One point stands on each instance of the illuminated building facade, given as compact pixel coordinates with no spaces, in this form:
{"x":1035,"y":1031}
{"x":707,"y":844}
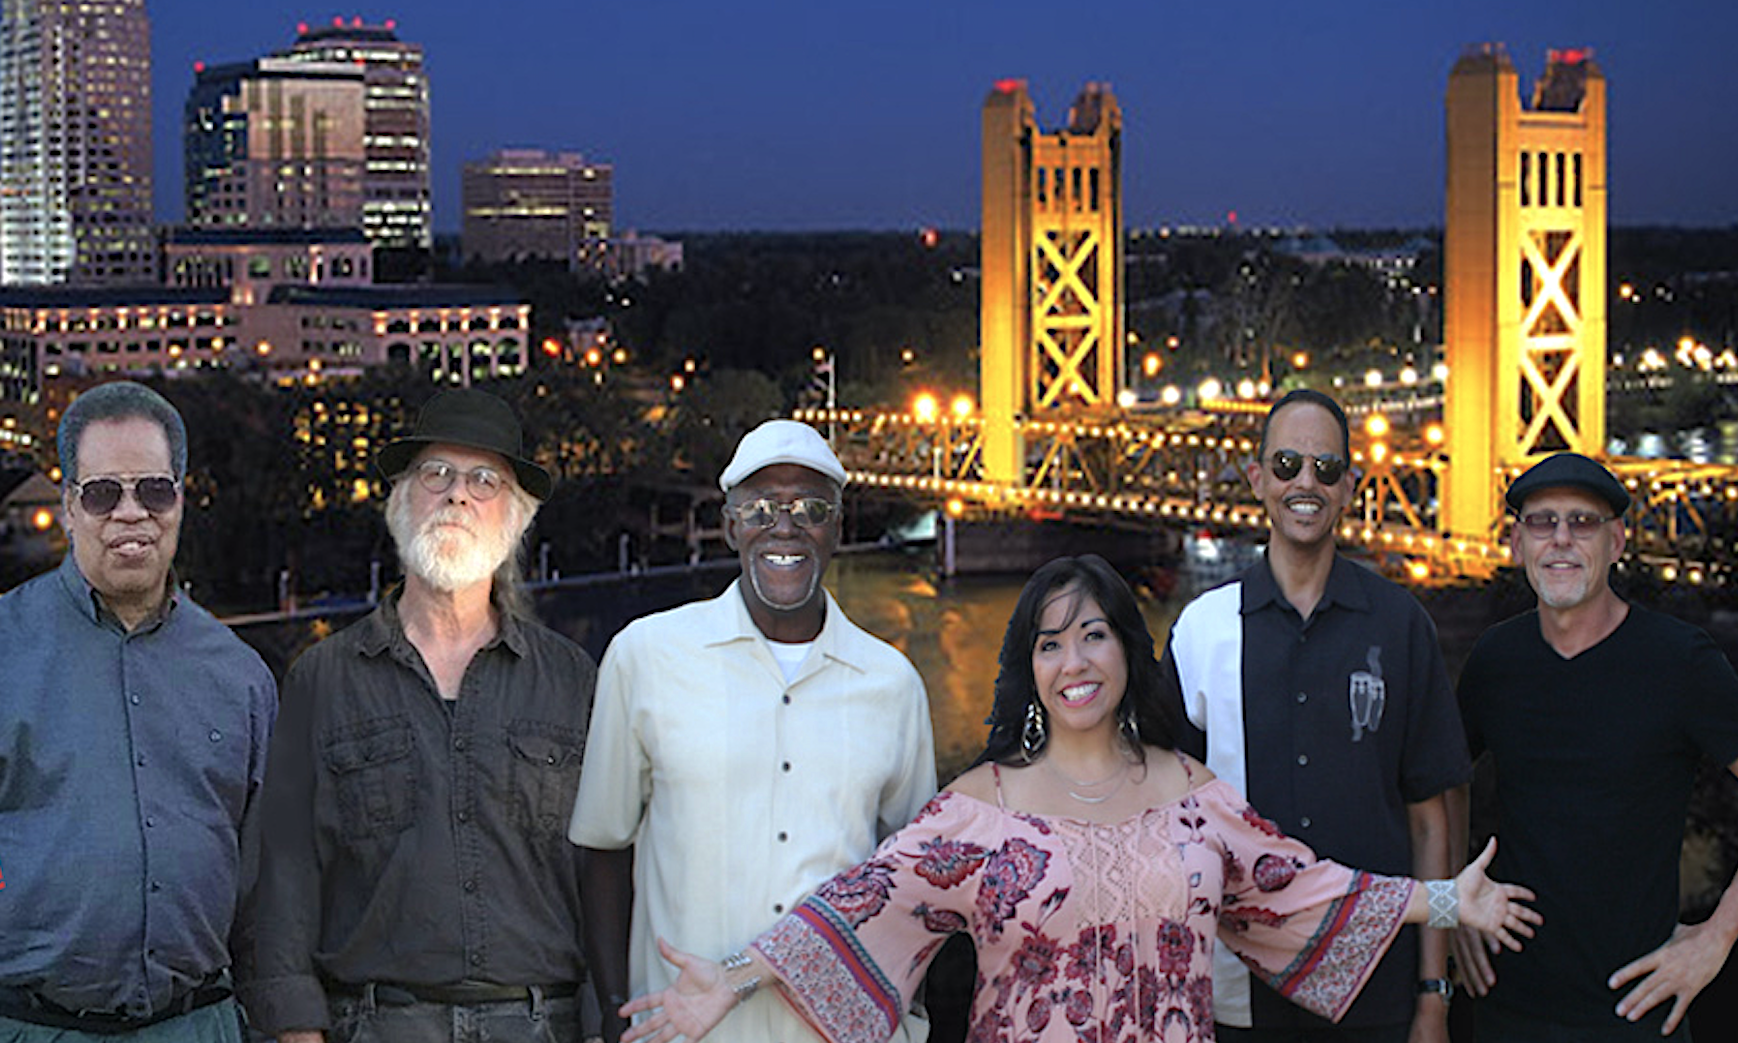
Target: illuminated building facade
{"x":1051,"y":325}
{"x":275,"y":144}
{"x":248,"y":263}
{"x":396,"y":202}
{"x":1524,"y":261}
{"x":522,"y":203}
{"x":456,"y":335}
{"x":75,"y":142}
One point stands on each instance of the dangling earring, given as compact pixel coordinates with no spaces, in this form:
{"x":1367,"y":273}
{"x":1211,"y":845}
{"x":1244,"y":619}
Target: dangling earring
{"x":1130,"y":733}
{"x":1032,"y":736}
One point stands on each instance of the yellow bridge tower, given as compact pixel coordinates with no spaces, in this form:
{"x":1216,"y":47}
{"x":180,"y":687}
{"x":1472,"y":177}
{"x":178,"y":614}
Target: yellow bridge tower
{"x":1524,"y":263}
{"x":1051,"y":327}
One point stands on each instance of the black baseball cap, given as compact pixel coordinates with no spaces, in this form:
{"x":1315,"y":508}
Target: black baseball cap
{"x":1570,"y":470}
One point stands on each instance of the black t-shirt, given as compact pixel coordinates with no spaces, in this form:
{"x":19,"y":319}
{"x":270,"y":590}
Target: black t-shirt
{"x":1595,"y":757}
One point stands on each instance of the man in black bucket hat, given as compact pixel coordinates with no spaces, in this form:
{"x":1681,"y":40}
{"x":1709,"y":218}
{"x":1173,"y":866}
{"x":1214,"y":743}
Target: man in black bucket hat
{"x":1597,"y":714}
{"x":417,"y":882}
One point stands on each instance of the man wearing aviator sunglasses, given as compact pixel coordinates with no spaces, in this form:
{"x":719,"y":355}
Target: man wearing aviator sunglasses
{"x":747,"y":747}
{"x":133,"y":733}
{"x":1597,"y":714}
{"x":1318,"y":688}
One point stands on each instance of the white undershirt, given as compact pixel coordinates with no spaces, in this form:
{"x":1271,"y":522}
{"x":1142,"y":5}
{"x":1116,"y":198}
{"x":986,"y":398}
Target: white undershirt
{"x":790,"y":657}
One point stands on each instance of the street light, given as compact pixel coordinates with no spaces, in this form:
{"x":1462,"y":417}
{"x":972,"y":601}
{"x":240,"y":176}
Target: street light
{"x":925,"y":407}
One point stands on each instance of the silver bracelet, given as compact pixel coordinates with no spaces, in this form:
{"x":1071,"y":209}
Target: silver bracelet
{"x":743,"y":989}
{"x":1444,"y":904}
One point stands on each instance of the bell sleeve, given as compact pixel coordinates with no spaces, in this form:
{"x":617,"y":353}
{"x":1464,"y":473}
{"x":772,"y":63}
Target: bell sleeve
{"x":851,"y":956}
{"x":1312,"y":929}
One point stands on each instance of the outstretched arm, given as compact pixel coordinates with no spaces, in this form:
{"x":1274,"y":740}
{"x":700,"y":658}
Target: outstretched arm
{"x":1489,"y":906}
{"x":1684,"y":965}
{"x":703,"y":993}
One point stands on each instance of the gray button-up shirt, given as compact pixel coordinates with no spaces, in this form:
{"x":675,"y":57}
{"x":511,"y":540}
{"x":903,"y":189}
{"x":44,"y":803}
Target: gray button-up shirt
{"x":128,"y":768}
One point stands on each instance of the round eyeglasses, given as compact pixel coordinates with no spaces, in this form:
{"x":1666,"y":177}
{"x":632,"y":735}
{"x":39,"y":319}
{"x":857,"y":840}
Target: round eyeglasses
{"x":807,"y":512}
{"x":157,"y":493}
{"x":437,"y":476}
{"x":1286,"y":463}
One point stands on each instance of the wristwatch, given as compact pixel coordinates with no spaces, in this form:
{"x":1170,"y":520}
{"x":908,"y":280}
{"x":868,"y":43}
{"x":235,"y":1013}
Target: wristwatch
{"x":1442,"y":986}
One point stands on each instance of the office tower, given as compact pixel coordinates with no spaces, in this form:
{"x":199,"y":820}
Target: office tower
{"x":275,"y":144}
{"x":529,"y":203}
{"x":396,"y":208}
{"x":75,"y":142}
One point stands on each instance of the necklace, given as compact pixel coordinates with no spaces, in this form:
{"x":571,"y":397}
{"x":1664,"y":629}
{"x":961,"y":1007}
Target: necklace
{"x":1119,"y":777}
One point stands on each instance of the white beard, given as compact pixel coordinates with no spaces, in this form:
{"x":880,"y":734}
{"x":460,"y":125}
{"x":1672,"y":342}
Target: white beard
{"x":445,"y":557}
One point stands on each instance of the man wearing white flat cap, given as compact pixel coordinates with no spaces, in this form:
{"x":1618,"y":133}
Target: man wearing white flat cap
{"x":744,"y":749}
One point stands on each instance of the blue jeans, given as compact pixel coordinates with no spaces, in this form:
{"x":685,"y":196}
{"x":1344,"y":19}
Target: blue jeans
{"x":537,"y":1020}
{"x":218,"y":1023}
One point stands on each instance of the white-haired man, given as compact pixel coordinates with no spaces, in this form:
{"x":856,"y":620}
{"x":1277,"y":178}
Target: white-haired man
{"x":416,"y":882}
{"x":745,"y":748}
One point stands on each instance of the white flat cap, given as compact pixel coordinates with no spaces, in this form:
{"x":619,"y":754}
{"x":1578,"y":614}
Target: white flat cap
{"x":781,"y":442}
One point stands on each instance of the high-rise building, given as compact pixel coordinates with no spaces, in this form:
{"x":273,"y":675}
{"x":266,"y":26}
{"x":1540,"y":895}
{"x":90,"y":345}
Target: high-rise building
{"x":396,"y":208}
{"x":275,"y":144}
{"x":523,"y":203}
{"x":75,"y":142}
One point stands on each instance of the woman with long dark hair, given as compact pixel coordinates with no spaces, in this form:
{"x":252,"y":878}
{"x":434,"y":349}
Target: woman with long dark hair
{"x":1093,"y":866}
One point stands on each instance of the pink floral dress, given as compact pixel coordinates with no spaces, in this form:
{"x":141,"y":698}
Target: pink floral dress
{"x":1085,"y":933}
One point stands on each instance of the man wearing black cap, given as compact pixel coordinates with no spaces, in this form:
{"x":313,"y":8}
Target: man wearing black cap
{"x":1597,"y":713}
{"x":416,"y":883}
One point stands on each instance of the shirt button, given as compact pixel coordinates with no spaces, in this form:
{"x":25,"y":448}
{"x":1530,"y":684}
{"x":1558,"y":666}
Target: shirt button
{"x":150,"y":822}
{"x":787,"y":765}
{"x":134,"y":699}
{"x":459,"y":743}
{"x":156,"y":885}
{"x":463,"y":816}
{"x":1303,"y":697}
{"x":1302,"y":759}
{"x":470,"y":886}
{"x":476,"y":959}
{"x":787,"y":700}
{"x":782,"y":837}
{"x":141,"y":760}
{"x":1304,"y":822}
{"x":216,"y":736}
{"x":778,"y":908}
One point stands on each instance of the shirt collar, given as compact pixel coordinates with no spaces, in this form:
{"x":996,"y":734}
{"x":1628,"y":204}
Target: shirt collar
{"x":90,"y":603}
{"x":1261,"y":590}
{"x":383,"y":628}
{"x":731,"y":622}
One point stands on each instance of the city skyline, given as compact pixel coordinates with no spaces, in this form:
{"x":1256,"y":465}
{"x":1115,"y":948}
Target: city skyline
{"x":758,"y":116}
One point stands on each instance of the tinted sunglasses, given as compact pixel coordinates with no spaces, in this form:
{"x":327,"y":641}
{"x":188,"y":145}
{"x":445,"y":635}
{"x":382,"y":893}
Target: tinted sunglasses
{"x":99,"y":497}
{"x":808,"y":512}
{"x":1286,"y":463}
{"x":1542,"y":525}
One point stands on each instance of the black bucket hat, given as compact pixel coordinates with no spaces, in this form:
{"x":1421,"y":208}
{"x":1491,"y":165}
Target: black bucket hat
{"x":474,"y":419}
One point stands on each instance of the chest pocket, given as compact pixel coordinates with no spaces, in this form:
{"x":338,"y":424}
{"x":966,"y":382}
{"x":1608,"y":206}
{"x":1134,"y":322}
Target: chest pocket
{"x":374,"y":775}
{"x":544,"y":775}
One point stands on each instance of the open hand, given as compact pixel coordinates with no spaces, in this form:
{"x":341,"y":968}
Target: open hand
{"x":1677,"y":971}
{"x":1495,"y":908}
{"x":698,"y":1000}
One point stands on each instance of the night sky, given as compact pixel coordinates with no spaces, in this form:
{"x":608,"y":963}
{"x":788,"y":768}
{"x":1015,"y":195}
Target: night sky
{"x":756,"y":114}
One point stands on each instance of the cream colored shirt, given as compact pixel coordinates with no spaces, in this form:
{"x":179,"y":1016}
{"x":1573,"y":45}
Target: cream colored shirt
{"x":739,"y":792}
